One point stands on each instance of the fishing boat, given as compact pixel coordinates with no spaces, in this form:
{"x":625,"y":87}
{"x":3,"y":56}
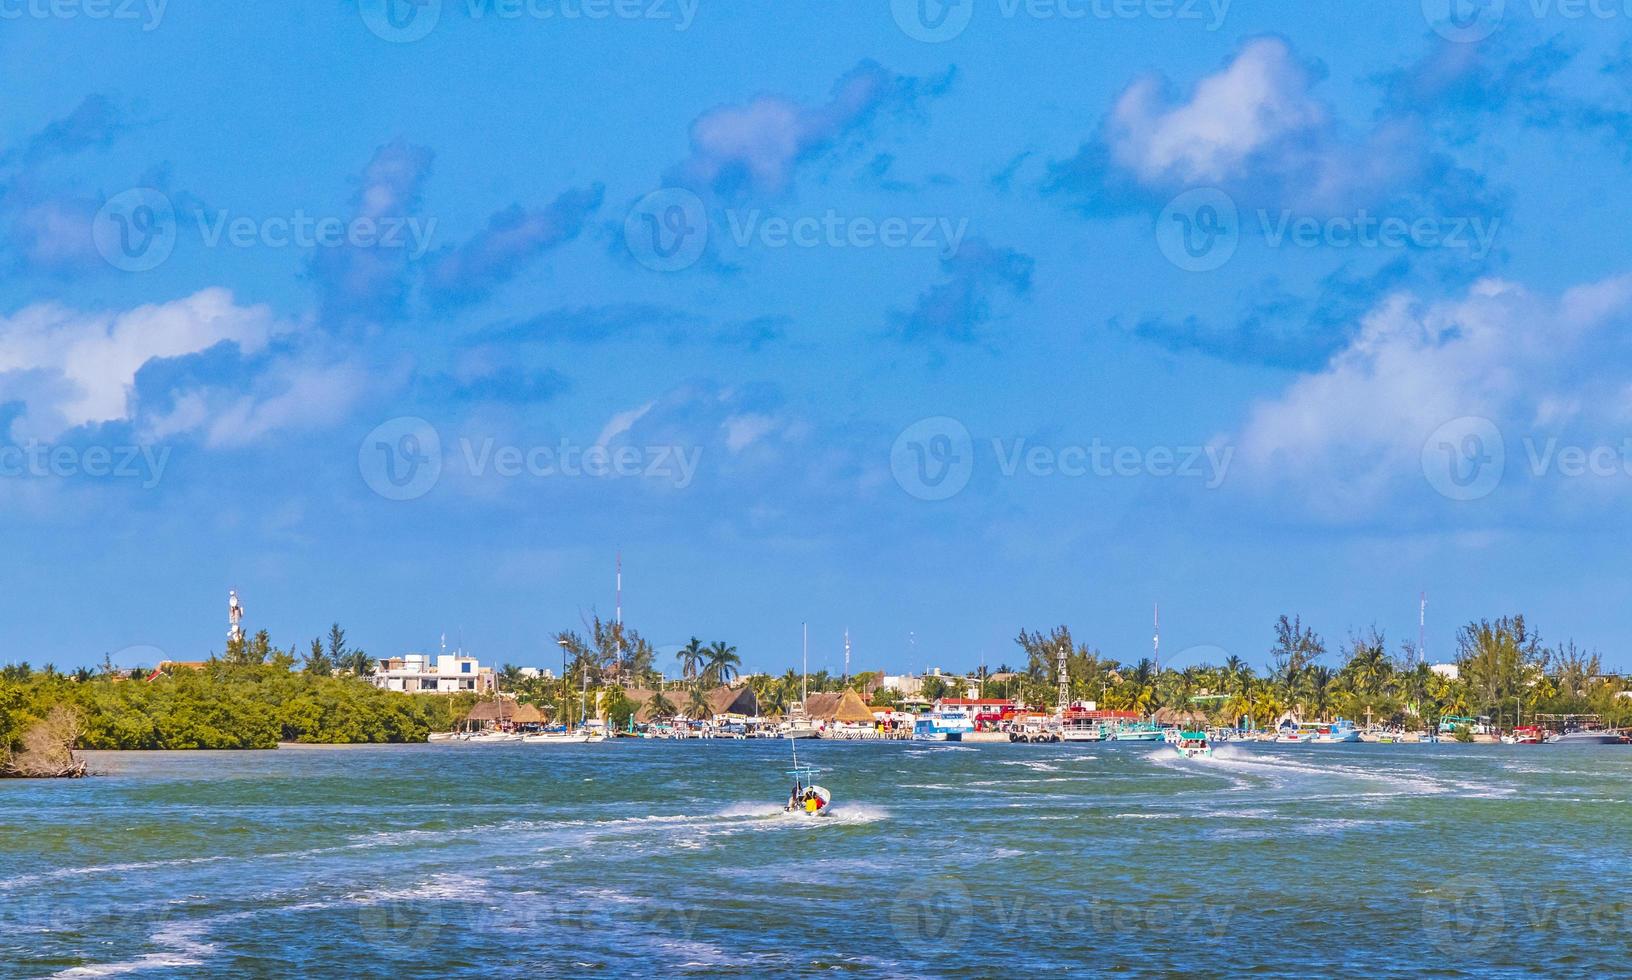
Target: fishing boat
{"x":806,"y":798}
{"x":1338,"y":732}
{"x":1193,"y":745}
{"x":443,"y":737}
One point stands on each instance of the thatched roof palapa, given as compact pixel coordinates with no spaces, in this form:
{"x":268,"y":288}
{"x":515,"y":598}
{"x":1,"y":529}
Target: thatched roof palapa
{"x":851,"y":708}
{"x":500,"y":710}
{"x":528,"y":714}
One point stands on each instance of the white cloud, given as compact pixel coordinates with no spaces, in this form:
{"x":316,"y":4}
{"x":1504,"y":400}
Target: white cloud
{"x":742,"y":431}
{"x":1353,"y":431}
{"x":1255,"y":101}
{"x":621,"y":423}
{"x":71,"y":368}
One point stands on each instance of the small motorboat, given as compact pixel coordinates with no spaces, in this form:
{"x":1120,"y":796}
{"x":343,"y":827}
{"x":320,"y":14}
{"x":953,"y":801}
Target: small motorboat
{"x":1193,"y":745}
{"x":807,"y":798}
{"x":561,"y":737}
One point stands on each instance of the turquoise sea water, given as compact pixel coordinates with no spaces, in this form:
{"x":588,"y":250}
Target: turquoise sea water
{"x":673,"y":858}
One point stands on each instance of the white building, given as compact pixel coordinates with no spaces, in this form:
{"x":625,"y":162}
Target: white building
{"x":1448,"y":671}
{"x":417,"y":673}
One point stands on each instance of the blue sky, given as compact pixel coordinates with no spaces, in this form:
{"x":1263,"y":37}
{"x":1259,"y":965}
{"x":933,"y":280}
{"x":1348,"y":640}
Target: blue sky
{"x":929,"y":321}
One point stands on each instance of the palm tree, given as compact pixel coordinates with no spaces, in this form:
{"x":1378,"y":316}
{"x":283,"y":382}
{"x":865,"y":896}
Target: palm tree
{"x":723,"y":663}
{"x":658,"y":706}
{"x":697,"y":706}
{"x":691,"y":658}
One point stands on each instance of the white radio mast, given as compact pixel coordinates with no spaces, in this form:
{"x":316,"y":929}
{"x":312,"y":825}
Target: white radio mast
{"x":235,"y":617}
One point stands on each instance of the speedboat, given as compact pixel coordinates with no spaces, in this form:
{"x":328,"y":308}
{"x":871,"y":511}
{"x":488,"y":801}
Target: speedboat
{"x":1585,"y":736}
{"x":1192,"y":745}
{"x":806,"y":798}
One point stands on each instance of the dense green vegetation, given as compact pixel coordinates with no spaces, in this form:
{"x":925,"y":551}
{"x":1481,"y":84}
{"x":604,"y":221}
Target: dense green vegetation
{"x":253,"y":697}
{"x":1504,"y":671}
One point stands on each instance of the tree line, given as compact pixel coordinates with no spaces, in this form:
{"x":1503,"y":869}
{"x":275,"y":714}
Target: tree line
{"x":253,"y":696}
{"x":1504,"y":671}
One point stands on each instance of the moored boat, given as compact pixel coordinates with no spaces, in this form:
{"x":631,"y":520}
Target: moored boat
{"x":946,"y":725}
{"x":1338,"y":732}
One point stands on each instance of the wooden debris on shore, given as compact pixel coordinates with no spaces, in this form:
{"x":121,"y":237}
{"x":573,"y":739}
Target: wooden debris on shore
{"x":47,"y":750}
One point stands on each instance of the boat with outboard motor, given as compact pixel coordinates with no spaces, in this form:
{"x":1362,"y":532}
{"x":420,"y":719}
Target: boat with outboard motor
{"x":1193,"y":745}
{"x":806,"y":798}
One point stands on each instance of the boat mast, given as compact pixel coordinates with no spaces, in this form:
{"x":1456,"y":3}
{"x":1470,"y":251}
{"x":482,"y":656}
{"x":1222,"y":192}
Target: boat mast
{"x":618,"y":615}
{"x":804,"y":675}
{"x":1156,"y":640}
{"x":1422,"y":625}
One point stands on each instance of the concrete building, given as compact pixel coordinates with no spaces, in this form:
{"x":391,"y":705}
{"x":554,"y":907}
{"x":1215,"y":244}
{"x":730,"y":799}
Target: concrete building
{"x":418,"y":673}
